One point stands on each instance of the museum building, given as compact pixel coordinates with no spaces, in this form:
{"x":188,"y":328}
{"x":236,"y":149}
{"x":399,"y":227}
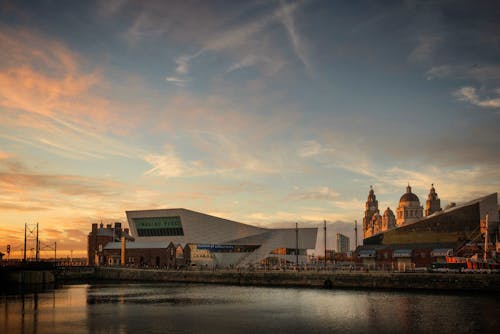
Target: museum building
{"x":198,"y":239}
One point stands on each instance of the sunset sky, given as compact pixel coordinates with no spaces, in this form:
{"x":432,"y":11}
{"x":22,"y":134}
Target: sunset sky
{"x":263,"y":112}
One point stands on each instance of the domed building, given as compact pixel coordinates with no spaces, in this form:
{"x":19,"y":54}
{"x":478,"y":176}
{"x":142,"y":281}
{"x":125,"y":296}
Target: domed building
{"x":409,"y":209}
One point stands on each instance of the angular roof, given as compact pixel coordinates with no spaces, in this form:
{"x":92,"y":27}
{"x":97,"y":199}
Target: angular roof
{"x":200,"y":228}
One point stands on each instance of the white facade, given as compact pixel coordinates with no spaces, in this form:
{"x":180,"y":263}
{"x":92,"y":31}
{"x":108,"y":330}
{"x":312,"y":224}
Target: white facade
{"x":190,"y":227}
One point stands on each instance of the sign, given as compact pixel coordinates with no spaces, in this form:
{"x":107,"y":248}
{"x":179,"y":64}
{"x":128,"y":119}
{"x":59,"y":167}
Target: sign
{"x":158,"y":222}
{"x":215,"y":248}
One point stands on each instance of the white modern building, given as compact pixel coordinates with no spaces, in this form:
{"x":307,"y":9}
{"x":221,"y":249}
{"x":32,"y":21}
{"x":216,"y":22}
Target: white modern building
{"x":343,"y":243}
{"x":218,"y":241}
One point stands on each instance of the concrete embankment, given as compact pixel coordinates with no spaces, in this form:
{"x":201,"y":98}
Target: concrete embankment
{"x":351,"y":280}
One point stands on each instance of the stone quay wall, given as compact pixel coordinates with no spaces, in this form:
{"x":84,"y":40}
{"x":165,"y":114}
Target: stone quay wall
{"x":346,"y":280}
{"x":26,"y":277}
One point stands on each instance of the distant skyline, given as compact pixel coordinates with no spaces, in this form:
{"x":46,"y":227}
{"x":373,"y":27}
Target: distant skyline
{"x":262,"y":112}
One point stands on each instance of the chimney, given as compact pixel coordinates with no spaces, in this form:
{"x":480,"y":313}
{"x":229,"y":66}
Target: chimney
{"x":126,"y":231}
{"x":122,"y":260}
{"x":108,"y":226}
{"x":118,"y":225}
{"x":94,"y":228}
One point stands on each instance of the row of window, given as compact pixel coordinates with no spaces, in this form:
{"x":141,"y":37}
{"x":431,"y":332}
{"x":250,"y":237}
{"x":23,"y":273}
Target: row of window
{"x":289,"y":251}
{"x":422,"y":255}
{"x":168,"y":222}
{"x":410,"y":213}
{"x":160,"y":232}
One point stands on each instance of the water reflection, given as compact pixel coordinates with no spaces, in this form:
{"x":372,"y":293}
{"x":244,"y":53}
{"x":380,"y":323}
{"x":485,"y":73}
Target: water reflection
{"x":180,"y":308}
{"x":51,"y":311}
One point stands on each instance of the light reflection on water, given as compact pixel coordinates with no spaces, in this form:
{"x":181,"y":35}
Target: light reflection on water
{"x":181,"y":308}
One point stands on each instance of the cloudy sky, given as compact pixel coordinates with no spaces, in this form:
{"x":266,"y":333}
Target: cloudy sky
{"x":264,"y":112}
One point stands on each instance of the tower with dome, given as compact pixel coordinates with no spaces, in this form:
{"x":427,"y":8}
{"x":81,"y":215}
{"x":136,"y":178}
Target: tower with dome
{"x":409,"y":209}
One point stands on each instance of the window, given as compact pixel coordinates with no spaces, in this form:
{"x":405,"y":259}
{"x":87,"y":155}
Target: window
{"x":159,"y":226}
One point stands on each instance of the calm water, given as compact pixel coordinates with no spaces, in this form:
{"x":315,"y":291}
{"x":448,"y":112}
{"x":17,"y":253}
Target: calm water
{"x":180,"y":308}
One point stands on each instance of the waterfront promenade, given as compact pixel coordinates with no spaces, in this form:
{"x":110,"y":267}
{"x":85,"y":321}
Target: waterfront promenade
{"x":308,"y":279}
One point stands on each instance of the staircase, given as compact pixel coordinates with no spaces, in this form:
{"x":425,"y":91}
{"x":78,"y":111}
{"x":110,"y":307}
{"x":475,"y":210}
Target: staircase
{"x":472,"y":245}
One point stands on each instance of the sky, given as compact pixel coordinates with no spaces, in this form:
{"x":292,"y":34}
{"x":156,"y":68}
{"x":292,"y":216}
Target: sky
{"x":262,"y":112}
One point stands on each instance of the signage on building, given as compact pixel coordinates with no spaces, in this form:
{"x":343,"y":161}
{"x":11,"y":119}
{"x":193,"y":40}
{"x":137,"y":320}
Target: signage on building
{"x":215,"y":248}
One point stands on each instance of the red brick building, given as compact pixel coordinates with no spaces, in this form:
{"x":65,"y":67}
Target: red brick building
{"x":147,"y":255}
{"x":100,"y":237}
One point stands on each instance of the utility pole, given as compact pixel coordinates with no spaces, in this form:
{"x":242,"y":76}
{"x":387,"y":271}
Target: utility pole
{"x":37,"y":246}
{"x":355,"y":234}
{"x":297,"y":245}
{"x":485,"y":257}
{"x":55,"y":253}
{"x":25,"y":227}
{"x":325,"y":240}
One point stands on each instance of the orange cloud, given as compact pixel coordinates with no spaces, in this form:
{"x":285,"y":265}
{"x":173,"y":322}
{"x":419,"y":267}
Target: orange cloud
{"x":43,"y":76}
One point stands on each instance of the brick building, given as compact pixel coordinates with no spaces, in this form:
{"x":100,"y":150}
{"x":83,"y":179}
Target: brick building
{"x":100,"y":236}
{"x":147,"y":255}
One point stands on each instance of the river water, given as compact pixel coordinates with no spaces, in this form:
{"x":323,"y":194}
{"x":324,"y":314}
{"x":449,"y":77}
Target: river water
{"x":199,"y":308}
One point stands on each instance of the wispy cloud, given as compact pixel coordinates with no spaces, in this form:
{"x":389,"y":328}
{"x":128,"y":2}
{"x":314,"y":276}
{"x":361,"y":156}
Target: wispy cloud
{"x":236,"y":41}
{"x":319,"y":193}
{"x":312,"y":148}
{"x":425,"y":48}
{"x":338,"y":154}
{"x":479,"y":73}
{"x":52,"y":95}
{"x":469,"y":94}
{"x":181,"y":82}
{"x":167,"y":165}
{"x":247,"y":61}
{"x":286,"y":16}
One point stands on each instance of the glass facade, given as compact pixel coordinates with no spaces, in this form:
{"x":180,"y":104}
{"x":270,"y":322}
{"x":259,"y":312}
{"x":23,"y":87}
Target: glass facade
{"x":159,"y":226}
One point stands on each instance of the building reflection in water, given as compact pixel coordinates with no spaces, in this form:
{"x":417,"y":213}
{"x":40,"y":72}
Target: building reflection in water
{"x":220,"y":309}
{"x":39,"y":312}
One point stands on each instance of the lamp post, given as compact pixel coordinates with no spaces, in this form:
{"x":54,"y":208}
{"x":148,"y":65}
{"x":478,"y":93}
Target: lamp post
{"x":325,"y":240}
{"x":297,"y":245}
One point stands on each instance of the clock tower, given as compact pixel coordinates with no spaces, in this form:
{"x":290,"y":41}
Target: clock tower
{"x":371,"y":208}
{"x":433,"y":203}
